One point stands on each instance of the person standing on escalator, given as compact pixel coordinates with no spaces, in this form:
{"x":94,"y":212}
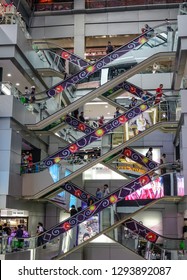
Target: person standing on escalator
{"x":141,"y":123}
{"x":109,"y":48}
{"x":81,"y":117}
{"x":147,"y":28}
{"x":149,"y":153}
{"x":159,"y":93}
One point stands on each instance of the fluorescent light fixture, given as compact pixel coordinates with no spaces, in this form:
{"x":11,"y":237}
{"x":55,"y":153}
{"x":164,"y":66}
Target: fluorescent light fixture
{"x":57,"y":134}
{"x":5,"y":90}
{"x":97,"y":103}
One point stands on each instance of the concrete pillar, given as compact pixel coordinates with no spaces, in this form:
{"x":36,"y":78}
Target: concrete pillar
{"x":183,"y":152}
{"x":79,"y":29}
{"x":1,"y":74}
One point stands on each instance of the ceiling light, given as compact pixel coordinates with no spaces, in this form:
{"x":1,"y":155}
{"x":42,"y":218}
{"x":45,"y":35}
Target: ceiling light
{"x":96,"y":103}
{"x":17,"y":84}
{"x":108,"y":113}
{"x":106,"y":106}
{"x":9,"y":75}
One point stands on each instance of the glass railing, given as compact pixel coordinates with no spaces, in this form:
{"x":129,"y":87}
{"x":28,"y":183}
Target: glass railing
{"x":10,"y":15}
{"x":95,"y":136}
{"x":69,"y":169}
{"x":90,"y":229}
{"x":151,"y":251}
{"x":81,"y":158}
{"x":183,"y":8}
{"x":7,"y":88}
{"x":137,"y":55}
{"x":59,"y":54}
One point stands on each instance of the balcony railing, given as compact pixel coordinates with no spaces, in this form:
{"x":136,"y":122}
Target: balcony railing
{"x":97,"y":4}
{"x":62,"y":6}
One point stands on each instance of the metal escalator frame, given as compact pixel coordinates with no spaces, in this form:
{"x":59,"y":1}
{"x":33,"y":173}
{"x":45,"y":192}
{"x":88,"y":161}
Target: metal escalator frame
{"x":118,"y":223}
{"x":54,"y":188}
{"x":99,"y":91}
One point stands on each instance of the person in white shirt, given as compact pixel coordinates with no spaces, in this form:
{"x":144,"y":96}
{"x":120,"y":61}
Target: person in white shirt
{"x":141,"y":123}
{"x":106,"y":190}
{"x":163,"y":161}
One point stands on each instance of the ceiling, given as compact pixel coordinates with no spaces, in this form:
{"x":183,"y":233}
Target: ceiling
{"x":16,"y":77}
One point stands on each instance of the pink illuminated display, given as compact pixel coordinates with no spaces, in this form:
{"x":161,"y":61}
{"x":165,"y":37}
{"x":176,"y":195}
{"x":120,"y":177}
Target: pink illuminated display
{"x":180,"y":185}
{"x":153,"y":190}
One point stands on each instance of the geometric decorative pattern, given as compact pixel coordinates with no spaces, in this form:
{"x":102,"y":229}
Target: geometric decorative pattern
{"x":90,"y":69}
{"x":139,"y":158}
{"x":77,"y":191}
{"x":131,"y":88}
{"x":74,"y":59}
{"x":97,"y":207}
{"x":141,"y":230}
{"x":98,"y":132}
{"x":125,"y":85}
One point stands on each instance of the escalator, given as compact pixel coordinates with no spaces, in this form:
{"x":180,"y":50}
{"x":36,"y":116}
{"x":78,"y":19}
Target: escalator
{"x":91,"y":95}
{"x":54,"y":247}
{"x":114,"y":197}
{"x":135,"y":227}
{"x":99,"y":206}
{"x":99,"y":132}
{"x":103,"y":204}
{"x":37,"y":185}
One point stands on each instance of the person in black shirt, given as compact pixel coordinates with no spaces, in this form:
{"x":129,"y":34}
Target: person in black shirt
{"x":19,"y":235}
{"x":109,"y":48}
{"x":149,"y":153}
{"x":7,"y":229}
{"x":81,"y":117}
{"x":73,"y":210}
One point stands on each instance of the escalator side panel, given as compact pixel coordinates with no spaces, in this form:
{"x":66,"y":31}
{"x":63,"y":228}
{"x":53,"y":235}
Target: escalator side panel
{"x":98,"y":133}
{"x":97,"y":207}
{"x":90,"y":69}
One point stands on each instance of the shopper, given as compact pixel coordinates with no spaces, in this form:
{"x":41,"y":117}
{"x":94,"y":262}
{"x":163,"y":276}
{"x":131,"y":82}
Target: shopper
{"x":90,"y":201}
{"x":117,"y":113}
{"x":40,"y":231}
{"x":81,"y":117}
{"x":141,"y":123}
{"x":32,"y":94}
{"x":106,"y":190}
{"x":101,"y":121}
{"x":149,"y":153}
{"x":73,"y":210}
{"x":159,"y":93}
{"x":133,"y":103}
{"x":163,"y":161}
{"x":19,"y":235}
{"x":109,"y":48}
{"x":98,"y":193}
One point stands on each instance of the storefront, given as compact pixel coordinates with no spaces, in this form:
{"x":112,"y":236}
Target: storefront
{"x":14,"y":217}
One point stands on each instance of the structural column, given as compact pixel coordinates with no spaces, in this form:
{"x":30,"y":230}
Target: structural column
{"x":183,"y":142}
{"x":79,"y":29}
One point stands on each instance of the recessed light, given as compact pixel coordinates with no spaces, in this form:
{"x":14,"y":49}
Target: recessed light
{"x":108,"y":113}
{"x":106,"y":106}
{"x":9,"y":75}
{"x":17,"y":84}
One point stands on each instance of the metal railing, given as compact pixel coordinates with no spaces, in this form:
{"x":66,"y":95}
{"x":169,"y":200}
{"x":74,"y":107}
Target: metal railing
{"x":97,"y":4}
{"x":62,"y":6}
{"x":183,"y":9}
{"x":10,"y":15}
